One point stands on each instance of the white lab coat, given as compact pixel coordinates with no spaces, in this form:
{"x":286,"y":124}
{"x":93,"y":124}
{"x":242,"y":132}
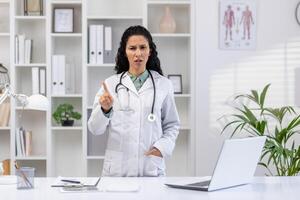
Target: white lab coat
{"x":130,"y":132}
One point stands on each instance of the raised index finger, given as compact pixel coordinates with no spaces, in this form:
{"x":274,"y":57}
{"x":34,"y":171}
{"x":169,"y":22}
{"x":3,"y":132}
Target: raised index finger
{"x":105,"y":87}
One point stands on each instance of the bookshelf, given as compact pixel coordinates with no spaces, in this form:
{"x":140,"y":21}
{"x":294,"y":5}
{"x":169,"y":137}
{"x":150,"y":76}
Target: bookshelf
{"x":74,"y":151}
{"x":5,"y":52}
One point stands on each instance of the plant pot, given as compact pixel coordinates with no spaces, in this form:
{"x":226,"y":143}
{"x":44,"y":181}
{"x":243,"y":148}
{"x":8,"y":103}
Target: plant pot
{"x":67,"y":123}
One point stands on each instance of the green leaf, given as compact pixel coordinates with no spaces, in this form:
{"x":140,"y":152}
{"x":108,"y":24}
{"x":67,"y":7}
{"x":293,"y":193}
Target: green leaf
{"x":263,"y":95}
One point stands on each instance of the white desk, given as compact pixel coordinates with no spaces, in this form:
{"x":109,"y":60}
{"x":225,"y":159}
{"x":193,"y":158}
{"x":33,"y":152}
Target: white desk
{"x":262,"y":188}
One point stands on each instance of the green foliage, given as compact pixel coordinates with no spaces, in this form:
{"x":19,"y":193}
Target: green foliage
{"x":278,"y":124}
{"x":65,"y":112}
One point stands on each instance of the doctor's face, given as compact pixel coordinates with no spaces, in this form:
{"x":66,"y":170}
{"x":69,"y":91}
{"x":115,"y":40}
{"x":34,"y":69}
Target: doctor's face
{"x":137,"y":52}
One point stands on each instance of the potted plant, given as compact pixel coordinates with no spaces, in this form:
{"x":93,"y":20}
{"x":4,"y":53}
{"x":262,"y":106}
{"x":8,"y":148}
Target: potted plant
{"x":281,"y":154}
{"x":65,"y":115}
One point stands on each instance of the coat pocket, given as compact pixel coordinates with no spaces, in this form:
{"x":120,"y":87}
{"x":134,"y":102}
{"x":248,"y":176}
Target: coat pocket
{"x":154,"y":166}
{"x":112,"y":163}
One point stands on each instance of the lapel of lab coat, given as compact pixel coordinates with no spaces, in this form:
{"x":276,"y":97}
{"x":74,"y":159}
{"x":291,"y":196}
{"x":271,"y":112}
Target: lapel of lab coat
{"x":129,"y":84}
{"x":148,"y":83}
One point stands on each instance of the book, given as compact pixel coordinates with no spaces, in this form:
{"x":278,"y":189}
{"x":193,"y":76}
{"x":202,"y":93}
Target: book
{"x":35,"y":80}
{"x":5,"y":113}
{"x":28,"y":144}
{"x":42,"y":81}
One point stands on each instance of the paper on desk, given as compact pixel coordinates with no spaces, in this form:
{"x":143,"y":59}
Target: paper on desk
{"x":8,"y":180}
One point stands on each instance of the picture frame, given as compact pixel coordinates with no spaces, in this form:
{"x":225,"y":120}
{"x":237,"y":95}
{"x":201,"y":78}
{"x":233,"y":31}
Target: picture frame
{"x":237,"y":25}
{"x":176,"y":80}
{"x":63,"y":20}
{"x":33,"y":7}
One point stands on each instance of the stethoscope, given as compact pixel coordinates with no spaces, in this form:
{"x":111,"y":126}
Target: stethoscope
{"x":151,"y":116}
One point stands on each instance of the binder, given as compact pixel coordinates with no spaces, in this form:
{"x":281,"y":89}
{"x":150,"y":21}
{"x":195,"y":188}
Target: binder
{"x":108,"y":56}
{"x":55,"y":88}
{"x":99,"y":41}
{"x":34,"y":78}
{"x":28,"y":45}
{"x":21,"y":49}
{"x":61,"y":74}
{"x":42,"y":81}
{"x":92,"y":44}
{"x":17,"y":49}
{"x":70,"y":78}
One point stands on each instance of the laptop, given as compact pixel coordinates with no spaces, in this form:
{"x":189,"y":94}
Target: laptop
{"x":235,"y":166}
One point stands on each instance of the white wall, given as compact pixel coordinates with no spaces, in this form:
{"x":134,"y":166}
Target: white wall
{"x":221,"y":73}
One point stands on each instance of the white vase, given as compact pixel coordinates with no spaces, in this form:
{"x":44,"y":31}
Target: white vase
{"x":167,"y":23}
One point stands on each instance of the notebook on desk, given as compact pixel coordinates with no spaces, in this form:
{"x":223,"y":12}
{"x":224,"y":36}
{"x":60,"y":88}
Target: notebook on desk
{"x":235,"y":166}
{"x":76,"y":182}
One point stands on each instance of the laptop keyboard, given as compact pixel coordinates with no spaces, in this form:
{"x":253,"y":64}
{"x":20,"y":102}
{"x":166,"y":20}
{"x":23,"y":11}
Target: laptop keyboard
{"x":203,"y":183}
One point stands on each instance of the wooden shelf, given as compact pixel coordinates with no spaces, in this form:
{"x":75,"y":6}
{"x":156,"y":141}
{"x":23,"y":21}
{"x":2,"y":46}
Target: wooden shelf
{"x":66,"y":128}
{"x":182,"y":95}
{"x":173,"y":35}
{"x":67,"y":2}
{"x":66,"y":34}
{"x":108,"y":65}
{"x":30,"y":17}
{"x":95,"y":157}
{"x":114,"y":17}
{"x":169,"y":2}
{"x":31,"y":65}
{"x":67,"y":96}
{"x":31,"y":158}
{"x":5,"y":128}
{"x":4,"y":34}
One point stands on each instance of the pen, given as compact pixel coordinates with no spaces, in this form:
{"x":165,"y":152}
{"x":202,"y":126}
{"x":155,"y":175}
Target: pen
{"x":70,"y":181}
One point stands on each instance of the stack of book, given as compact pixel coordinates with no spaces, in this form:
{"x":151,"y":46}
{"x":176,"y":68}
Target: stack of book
{"x":23,"y":49}
{"x":100,"y":44}
{"x":23,"y":142}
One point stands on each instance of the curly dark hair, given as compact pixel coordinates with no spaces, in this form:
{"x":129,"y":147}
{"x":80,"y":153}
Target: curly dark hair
{"x":122,"y":63}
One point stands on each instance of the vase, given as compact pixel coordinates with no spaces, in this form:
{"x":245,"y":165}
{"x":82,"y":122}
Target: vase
{"x":167,"y":23}
{"x":67,"y":122}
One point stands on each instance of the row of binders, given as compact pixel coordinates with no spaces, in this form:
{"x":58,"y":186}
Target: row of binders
{"x":100,"y":44}
{"x":23,"y":142}
{"x":63,"y":76}
{"x":38,"y":77}
{"x":23,"y":49}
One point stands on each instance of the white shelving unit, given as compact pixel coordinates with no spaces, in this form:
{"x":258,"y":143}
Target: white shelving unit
{"x":5,"y":54}
{"x":73,"y":151}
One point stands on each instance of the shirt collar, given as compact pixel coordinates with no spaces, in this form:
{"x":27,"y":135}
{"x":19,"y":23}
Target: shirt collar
{"x":142,"y":77}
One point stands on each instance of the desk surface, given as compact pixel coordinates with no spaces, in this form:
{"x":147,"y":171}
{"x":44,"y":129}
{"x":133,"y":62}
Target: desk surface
{"x":262,"y":188}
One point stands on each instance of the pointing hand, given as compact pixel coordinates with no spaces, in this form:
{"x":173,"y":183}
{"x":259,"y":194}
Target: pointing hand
{"x":106,"y":100}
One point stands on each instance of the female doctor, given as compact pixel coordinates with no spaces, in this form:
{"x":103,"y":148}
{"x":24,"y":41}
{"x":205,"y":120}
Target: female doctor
{"x":137,"y":108}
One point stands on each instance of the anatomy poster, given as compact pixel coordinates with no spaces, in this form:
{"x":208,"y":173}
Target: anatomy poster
{"x":237,"y":24}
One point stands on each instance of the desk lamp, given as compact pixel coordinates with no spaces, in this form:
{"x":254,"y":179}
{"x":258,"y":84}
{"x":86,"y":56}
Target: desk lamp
{"x":34,"y":102}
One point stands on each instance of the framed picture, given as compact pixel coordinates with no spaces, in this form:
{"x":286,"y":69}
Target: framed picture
{"x":63,"y":20}
{"x":237,"y":25}
{"x":33,"y":7}
{"x":176,"y":80}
